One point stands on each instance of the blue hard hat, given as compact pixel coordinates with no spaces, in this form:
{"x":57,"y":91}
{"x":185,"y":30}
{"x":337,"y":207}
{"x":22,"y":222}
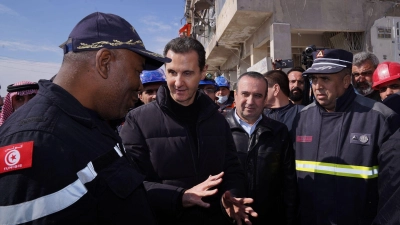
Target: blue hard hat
{"x":207,"y":81}
{"x":152,"y":76}
{"x":222,"y":81}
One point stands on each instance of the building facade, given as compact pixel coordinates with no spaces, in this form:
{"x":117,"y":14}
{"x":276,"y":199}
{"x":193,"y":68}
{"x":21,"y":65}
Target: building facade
{"x":244,"y":35}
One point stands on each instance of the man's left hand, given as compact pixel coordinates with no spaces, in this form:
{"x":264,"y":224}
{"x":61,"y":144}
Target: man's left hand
{"x":237,"y":209}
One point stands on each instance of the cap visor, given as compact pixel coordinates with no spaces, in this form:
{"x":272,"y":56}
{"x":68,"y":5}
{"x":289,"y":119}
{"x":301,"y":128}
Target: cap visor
{"x":153,"y":60}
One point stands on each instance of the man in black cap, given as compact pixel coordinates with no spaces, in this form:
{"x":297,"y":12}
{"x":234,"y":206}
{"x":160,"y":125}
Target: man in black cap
{"x":338,"y":138}
{"x":60,"y":162}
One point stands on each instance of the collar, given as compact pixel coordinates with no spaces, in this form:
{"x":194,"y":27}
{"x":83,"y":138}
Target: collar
{"x":283,"y":108}
{"x":344,"y":101}
{"x":205,"y":104}
{"x":247,"y":127}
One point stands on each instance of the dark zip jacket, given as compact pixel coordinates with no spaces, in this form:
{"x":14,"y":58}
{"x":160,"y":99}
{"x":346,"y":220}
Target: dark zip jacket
{"x":337,"y":159}
{"x":66,"y":138}
{"x":161,"y":145}
{"x":268,"y":159}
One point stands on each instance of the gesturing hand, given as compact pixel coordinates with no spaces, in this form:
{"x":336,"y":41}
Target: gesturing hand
{"x":236,"y":208}
{"x":194,"y":195}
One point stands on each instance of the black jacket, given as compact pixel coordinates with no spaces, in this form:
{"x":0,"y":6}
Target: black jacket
{"x":374,"y":96}
{"x":393,"y":102}
{"x":161,"y":145}
{"x":389,"y":182}
{"x":285,"y":114}
{"x":66,"y":137}
{"x":337,"y":159}
{"x":268,"y":159}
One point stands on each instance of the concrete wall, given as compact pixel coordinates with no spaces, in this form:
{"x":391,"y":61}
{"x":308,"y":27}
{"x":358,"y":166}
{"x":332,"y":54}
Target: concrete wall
{"x":240,"y":39}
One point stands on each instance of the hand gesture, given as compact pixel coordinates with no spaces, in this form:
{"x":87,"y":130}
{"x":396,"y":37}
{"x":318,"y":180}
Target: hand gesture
{"x":194,"y":195}
{"x":236,"y":208}
{"x":273,"y":62}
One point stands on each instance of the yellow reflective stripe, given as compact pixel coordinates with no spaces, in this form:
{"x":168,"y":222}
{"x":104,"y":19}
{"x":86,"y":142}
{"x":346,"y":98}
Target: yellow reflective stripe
{"x":337,"y":169}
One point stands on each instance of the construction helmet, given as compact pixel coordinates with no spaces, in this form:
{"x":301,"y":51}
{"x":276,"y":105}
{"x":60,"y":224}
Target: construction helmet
{"x":152,"y":76}
{"x":222,"y":81}
{"x":386,"y":71}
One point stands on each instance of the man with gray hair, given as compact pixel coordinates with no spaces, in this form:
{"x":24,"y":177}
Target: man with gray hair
{"x":364,"y":65}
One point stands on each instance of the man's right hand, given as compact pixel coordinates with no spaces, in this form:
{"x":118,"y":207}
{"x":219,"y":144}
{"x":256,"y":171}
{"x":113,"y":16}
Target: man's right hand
{"x":194,"y":195}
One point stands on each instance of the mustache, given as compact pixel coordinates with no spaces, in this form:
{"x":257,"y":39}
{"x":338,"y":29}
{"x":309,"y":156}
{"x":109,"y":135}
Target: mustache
{"x":297,"y":89}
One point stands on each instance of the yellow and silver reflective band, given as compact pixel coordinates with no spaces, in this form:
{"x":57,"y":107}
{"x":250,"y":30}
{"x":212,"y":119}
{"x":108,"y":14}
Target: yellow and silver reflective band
{"x":337,"y":169}
{"x":52,"y":203}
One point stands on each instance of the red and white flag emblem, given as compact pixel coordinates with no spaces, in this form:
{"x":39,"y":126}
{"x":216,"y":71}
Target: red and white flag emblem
{"x":16,"y":156}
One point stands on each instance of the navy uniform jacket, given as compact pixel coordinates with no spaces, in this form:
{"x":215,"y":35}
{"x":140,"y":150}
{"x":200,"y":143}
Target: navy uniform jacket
{"x":389,"y":182}
{"x":337,"y":159}
{"x":76,"y":176}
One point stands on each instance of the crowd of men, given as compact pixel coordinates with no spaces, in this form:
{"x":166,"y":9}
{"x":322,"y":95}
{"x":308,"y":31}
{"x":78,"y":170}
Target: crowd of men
{"x":124,"y":135}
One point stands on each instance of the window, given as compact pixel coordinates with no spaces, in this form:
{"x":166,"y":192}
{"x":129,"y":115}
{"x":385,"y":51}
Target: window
{"x":384,"y":32}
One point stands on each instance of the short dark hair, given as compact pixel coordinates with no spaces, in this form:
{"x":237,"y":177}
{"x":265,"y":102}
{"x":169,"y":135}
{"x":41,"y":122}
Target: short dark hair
{"x":278,"y":77}
{"x":297,"y":68}
{"x":185,"y":45}
{"x":254,"y":75}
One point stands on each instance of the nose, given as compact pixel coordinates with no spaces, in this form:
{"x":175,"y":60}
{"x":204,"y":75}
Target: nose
{"x":361,"y":78}
{"x":178,"y":81}
{"x":317,"y":84}
{"x":250,"y":100}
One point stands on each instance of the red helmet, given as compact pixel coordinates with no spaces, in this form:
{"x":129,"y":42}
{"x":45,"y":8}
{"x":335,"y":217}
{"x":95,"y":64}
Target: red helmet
{"x":386,"y":71}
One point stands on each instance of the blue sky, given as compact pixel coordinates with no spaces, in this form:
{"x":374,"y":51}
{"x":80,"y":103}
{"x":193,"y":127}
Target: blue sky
{"x":32,"y":30}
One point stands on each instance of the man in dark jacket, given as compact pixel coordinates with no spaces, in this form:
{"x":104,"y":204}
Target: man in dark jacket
{"x":338,"y":139}
{"x":181,"y":139}
{"x":278,"y":106}
{"x":265,"y":152}
{"x":61,"y":163}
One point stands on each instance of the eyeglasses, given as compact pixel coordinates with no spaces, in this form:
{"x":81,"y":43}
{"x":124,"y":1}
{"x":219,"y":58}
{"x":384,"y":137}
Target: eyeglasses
{"x":392,"y":87}
{"x":364,"y":73}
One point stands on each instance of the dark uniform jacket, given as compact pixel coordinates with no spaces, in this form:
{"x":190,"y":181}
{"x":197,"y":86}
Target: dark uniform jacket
{"x":76,"y":176}
{"x":161,"y":145}
{"x":389,"y":182}
{"x":268,"y":159}
{"x":285,"y":114}
{"x":393,"y":102}
{"x":374,"y":95}
{"x":337,"y":159}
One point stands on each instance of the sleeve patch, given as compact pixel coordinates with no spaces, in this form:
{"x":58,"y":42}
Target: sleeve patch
{"x":16,"y":156}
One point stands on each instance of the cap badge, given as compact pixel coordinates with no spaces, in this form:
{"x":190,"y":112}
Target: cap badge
{"x":320,"y":54}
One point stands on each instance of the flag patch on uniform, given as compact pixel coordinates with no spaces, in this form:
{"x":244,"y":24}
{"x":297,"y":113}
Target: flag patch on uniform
{"x":303,"y":138}
{"x":16,"y":156}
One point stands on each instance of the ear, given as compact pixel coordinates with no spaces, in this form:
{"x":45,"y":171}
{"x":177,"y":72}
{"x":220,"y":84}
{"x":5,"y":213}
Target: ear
{"x":277,"y":89}
{"x":346,"y":80}
{"x":204,"y":72}
{"x":103,"y":61}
